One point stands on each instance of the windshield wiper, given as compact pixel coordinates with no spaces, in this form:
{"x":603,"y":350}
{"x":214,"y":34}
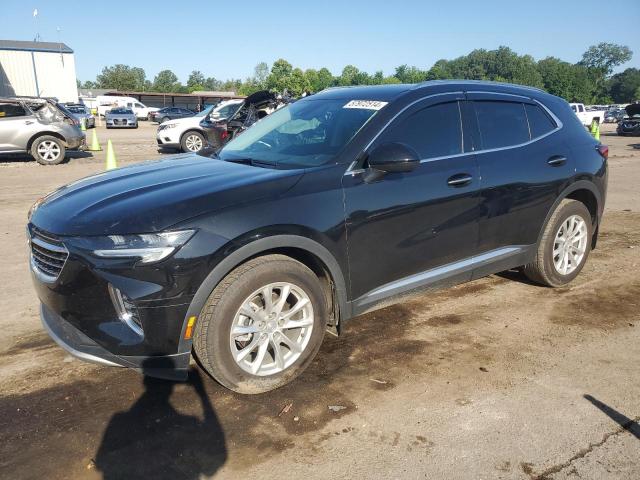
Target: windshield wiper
{"x":252,"y":161}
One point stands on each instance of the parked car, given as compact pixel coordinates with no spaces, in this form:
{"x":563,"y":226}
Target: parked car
{"x":39,"y":127}
{"x":587,"y":116}
{"x":81,"y":113}
{"x":330,"y":207}
{"x":186,"y":134}
{"x":630,"y":126}
{"x":170,"y":113}
{"x":108,"y":102}
{"x":121,"y":117}
{"x":219,"y":131}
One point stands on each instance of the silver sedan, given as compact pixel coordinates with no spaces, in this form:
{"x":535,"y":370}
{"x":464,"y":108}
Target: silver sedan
{"x":121,"y":118}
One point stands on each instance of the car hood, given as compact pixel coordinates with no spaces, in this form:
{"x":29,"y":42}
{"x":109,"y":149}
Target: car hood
{"x":153,"y":196}
{"x":195,"y":121}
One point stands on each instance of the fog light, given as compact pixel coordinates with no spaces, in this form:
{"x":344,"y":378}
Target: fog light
{"x":125,"y":309}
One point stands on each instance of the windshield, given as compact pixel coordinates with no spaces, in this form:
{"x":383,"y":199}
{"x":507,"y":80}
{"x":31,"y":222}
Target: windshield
{"x":204,"y":112}
{"x":307,"y":133}
{"x":122,"y":111}
{"x":75,"y":109}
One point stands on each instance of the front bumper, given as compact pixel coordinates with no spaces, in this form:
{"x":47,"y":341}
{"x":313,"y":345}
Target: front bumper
{"x":80,"y":312}
{"x":121,"y":123}
{"x":173,"y":367}
{"x":168,"y":137}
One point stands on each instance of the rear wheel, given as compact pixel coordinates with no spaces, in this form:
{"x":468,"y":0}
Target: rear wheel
{"x":192,"y":142}
{"x":48,"y":150}
{"x":564,"y":247}
{"x":262,"y":325}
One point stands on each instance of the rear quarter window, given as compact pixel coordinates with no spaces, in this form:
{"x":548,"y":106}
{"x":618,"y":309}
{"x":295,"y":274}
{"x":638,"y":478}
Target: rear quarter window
{"x":501,"y":124}
{"x":539,"y":122}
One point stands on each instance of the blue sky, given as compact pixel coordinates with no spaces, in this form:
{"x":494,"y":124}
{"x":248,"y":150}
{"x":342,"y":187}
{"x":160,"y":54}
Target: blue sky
{"x":227,"y":39}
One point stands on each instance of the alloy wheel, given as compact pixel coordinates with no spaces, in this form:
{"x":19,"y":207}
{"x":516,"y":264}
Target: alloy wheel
{"x":570,"y":245}
{"x":49,"y":150}
{"x":271,"y":329}
{"x":193,"y":143}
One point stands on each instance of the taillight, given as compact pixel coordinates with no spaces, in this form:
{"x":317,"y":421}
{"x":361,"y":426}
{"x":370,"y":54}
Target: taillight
{"x":603,"y":150}
{"x":224,"y":135}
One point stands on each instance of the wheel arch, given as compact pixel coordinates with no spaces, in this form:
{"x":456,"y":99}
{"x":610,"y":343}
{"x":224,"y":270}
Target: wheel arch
{"x":308,"y":252}
{"x":35,"y":136}
{"x":585,"y":192}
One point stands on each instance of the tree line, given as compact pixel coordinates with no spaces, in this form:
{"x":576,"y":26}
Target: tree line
{"x":589,"y":81}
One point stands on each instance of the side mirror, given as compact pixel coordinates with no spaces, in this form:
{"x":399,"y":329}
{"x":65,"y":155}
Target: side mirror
{"x":393,"y":158}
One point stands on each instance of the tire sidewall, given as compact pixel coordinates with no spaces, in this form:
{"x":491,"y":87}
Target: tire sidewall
{"x":217,"y":345}
{"x":573,"y":208}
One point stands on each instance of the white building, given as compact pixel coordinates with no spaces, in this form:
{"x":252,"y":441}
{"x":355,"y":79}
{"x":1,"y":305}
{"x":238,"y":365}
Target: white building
{"x":37,"y":69}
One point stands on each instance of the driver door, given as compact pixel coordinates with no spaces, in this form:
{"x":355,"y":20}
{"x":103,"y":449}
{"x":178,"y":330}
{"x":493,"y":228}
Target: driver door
{"x":406,"y":230}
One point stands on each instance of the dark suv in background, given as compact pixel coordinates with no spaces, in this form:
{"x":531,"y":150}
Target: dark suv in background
{"x":335,"y":205}
{"x":170,"y":113}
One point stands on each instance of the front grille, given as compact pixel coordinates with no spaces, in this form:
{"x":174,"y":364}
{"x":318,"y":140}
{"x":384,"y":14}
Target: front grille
{"x":48,"y":254}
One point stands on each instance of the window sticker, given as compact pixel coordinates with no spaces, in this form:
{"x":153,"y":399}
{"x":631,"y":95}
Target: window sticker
{"x":366,"y":104}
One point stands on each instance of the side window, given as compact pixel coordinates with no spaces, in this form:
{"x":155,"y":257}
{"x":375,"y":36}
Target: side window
{"x":501,"y":124}
{"x":11,"y":110}
{"x":139,"y":105}
{"x":539,"y":121}
{"x":434,"y":131}
{"x":581,"y":108}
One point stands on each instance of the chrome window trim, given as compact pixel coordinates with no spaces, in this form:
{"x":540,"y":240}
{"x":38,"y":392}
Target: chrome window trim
{"x":559,"y":125}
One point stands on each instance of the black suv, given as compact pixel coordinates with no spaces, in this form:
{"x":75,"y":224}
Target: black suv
{"x":335,"y":205}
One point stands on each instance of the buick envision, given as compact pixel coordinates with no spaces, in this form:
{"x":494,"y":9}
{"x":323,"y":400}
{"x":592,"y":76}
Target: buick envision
{"x":333,"y":206}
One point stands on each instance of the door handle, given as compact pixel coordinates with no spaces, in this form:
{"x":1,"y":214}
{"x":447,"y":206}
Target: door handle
{"x":557,"y":160}
{"x":28,"y":122}
{"x":459,"y":180}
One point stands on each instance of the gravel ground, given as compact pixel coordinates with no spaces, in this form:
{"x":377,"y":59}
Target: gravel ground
{"x":496,"y":378}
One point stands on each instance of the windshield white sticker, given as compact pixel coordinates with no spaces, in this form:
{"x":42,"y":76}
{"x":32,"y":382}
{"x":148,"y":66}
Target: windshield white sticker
{"x":366,"y":104}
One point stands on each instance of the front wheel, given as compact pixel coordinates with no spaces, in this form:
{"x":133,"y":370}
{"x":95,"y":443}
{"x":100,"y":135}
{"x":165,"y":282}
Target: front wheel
{"x":164,"y":119}
{"x":262,"y":325}
{"x":564,"y":247}
{"x":48,"y":150}
{"x":192,"y":142}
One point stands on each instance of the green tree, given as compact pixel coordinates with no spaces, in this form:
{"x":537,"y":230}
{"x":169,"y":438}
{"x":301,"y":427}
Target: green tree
{"x":166,"y":81}
{"x":195,"y":81}
{"x":212,"y":84}
{"x":624,"y":86}
{"x":407,"y":74}
{"x":325,"y":80}
{"x":281,"y":71}
{"x":351,"y":75}
{"x":122,"y":77}
{"x":606,"y":56}
{"x":566,"y":80}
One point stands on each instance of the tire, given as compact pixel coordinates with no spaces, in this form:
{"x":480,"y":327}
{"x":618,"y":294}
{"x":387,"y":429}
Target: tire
{"x":212,"y":338}
{"x":192,"y":141}
{"x":164,"y":119}
{"x":48,"y":150}
{"x":544,"y":269}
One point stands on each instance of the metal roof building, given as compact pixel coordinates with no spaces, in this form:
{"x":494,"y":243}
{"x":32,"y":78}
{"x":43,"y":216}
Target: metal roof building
{"x":37,"y":69}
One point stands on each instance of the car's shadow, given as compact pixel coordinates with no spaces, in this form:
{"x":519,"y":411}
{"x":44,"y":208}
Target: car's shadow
{"x":135,"y":441}
{"x":26,"y":158}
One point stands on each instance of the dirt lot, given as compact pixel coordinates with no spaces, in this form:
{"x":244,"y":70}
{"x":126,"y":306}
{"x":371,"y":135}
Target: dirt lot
{"x":497,"y":378}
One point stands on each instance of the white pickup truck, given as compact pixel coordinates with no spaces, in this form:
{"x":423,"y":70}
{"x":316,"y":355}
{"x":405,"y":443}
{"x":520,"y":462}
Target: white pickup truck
{"x":587,"y":116}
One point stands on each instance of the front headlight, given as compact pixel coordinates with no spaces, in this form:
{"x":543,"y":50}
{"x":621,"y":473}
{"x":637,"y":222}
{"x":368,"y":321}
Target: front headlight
{"x":148,"y":247}
{"x":171,"y":125}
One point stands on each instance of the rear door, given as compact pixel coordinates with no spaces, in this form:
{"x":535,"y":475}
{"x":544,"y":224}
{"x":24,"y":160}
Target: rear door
{"x":524,"y":164}
{"x":406,"y":224}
